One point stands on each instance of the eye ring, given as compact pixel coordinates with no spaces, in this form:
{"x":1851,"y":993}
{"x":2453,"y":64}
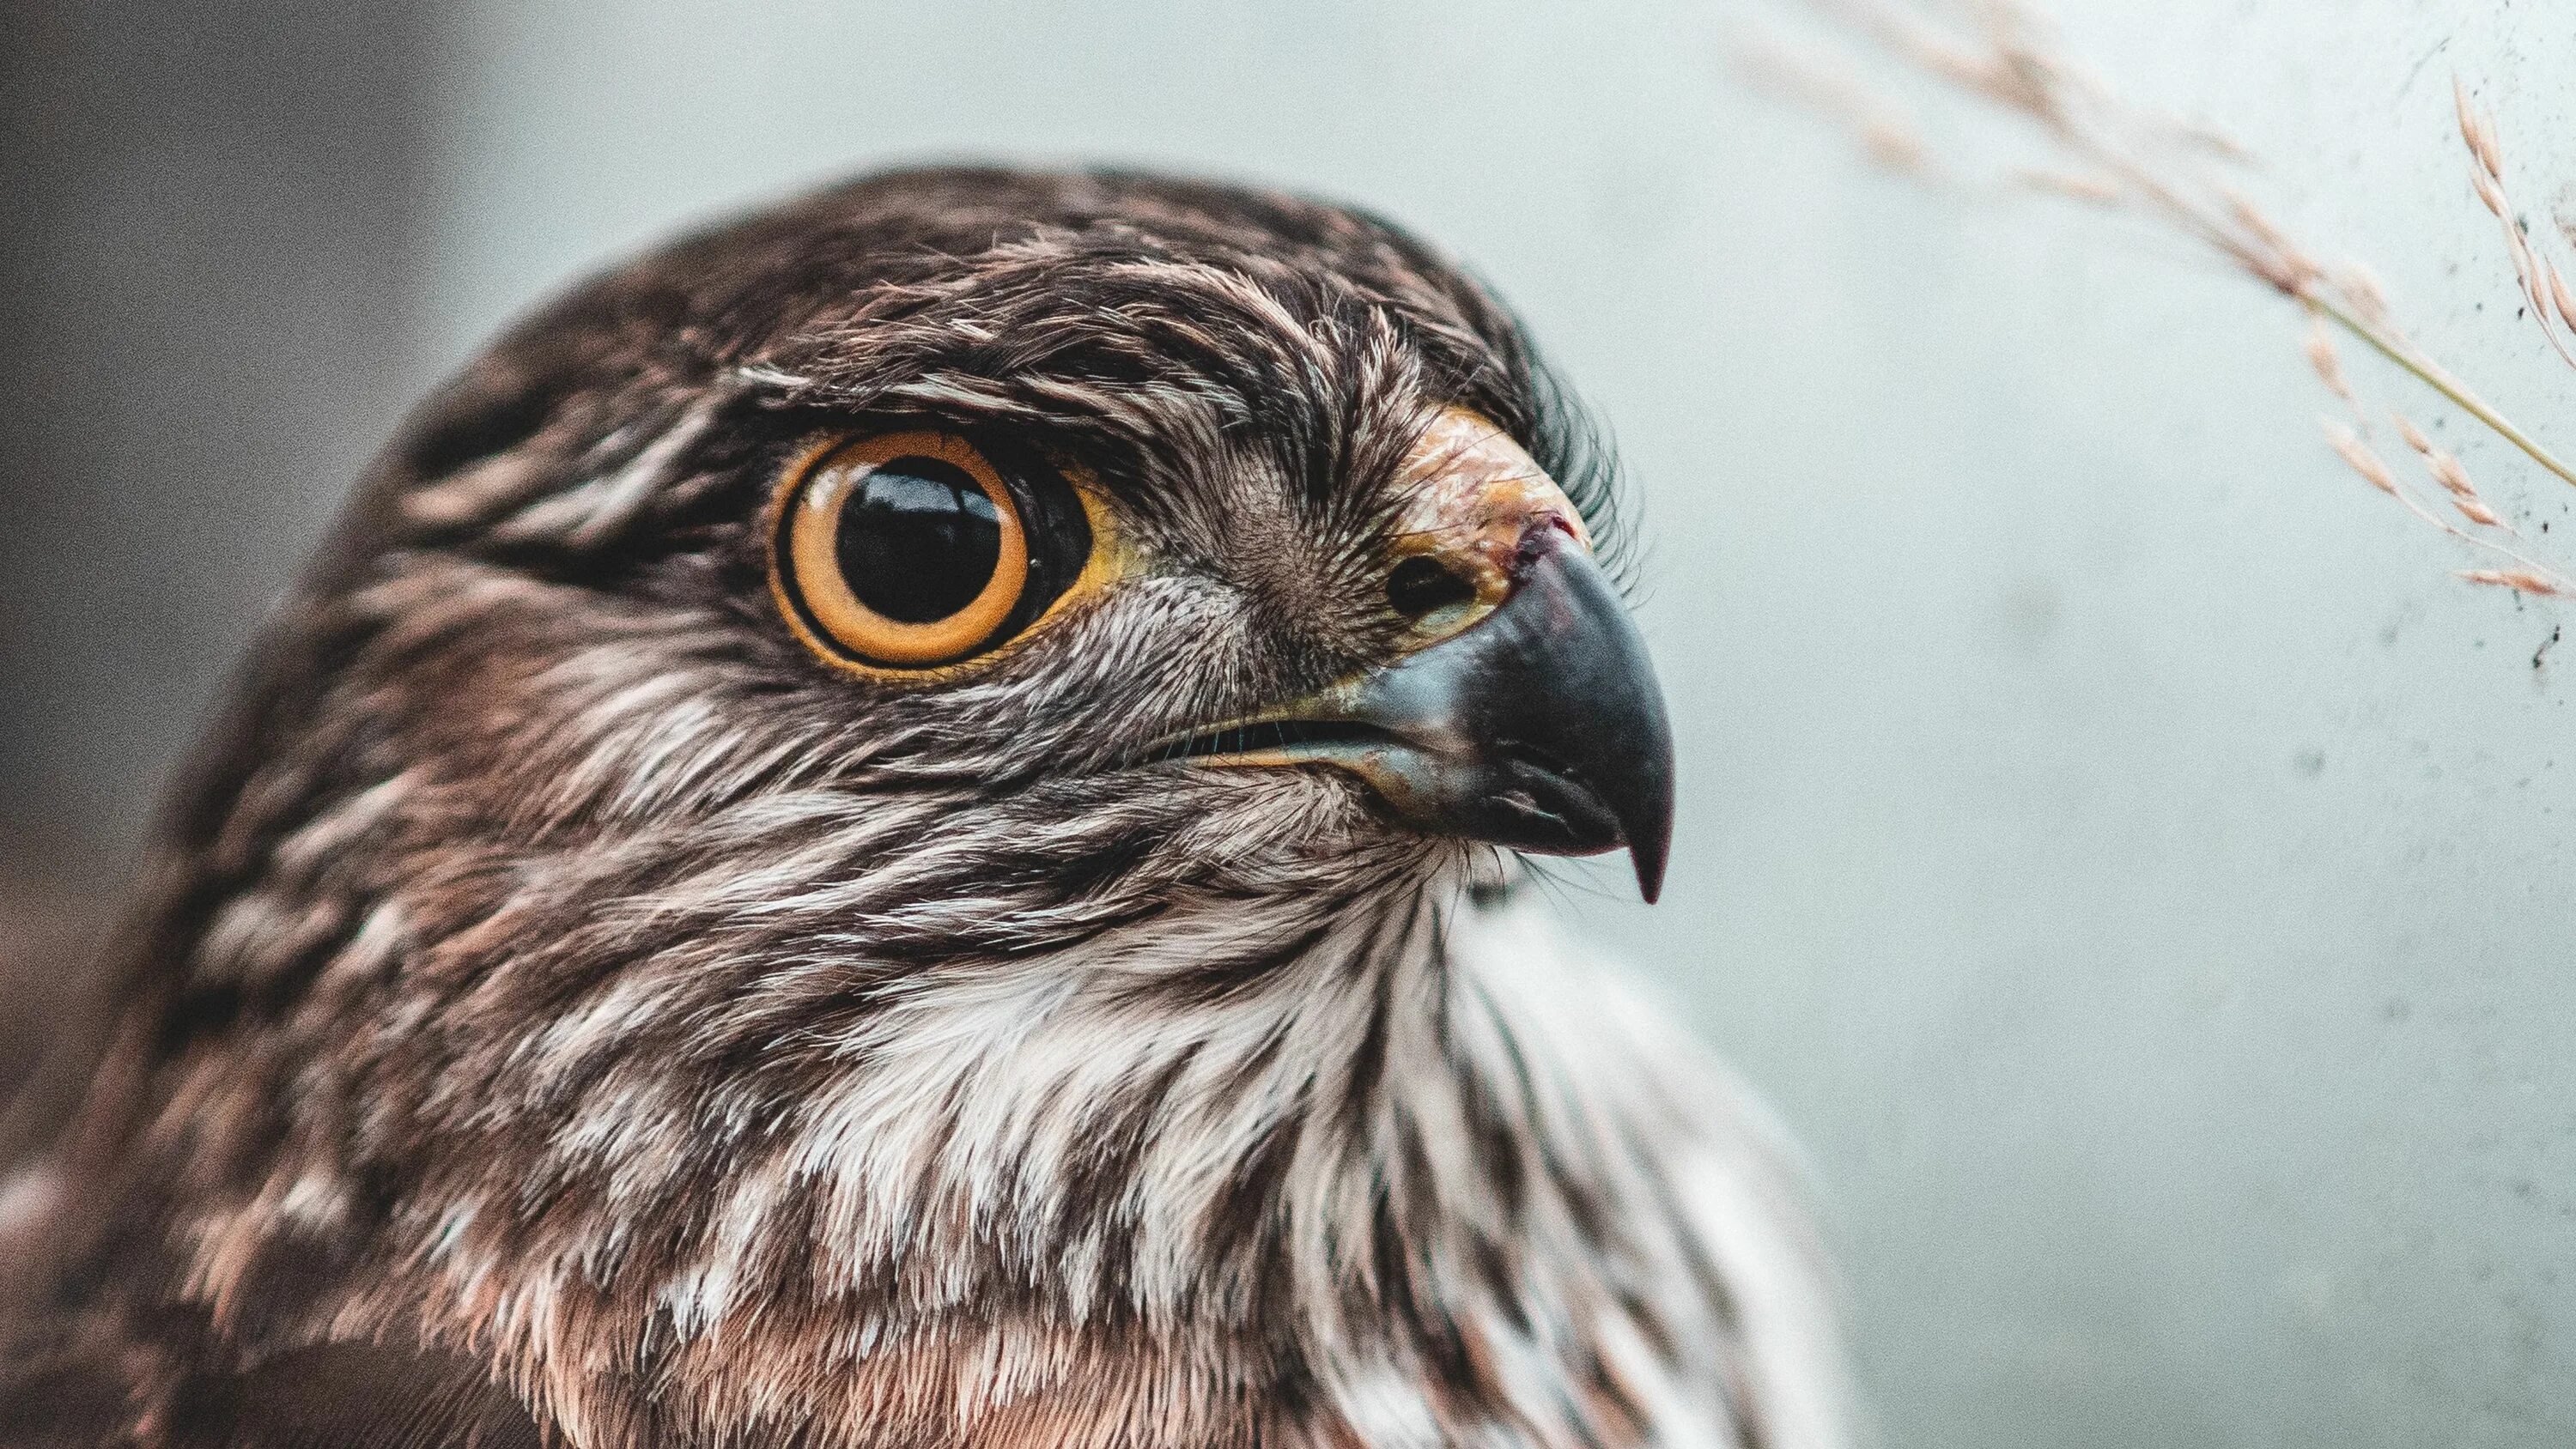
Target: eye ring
{"x":924,"y":549}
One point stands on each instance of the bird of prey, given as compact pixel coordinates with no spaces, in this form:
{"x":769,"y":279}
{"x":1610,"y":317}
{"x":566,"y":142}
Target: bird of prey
{"x":903,"y":825}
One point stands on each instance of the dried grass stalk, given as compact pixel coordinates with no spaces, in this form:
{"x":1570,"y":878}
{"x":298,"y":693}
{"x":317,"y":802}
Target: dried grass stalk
{"x":2157,"y":168}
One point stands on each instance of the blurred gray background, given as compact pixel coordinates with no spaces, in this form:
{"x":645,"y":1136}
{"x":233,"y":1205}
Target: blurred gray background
{"x":2132,"y":865}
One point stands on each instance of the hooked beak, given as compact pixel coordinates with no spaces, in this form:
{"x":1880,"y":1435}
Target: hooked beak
{"x":1539,"y":727}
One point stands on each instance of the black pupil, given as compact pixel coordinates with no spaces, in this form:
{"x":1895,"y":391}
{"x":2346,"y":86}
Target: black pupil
{"x":918,"y":540}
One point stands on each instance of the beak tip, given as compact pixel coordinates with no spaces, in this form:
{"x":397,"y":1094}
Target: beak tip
{"x":1650,"y":879}
{"x":1649,"y":854}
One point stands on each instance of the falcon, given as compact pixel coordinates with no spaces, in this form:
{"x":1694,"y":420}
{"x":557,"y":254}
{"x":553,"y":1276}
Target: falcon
{"x":904,"y":824}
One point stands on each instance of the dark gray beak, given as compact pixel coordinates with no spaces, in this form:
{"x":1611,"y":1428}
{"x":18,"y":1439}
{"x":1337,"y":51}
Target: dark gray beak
{"x":1539,"y":727}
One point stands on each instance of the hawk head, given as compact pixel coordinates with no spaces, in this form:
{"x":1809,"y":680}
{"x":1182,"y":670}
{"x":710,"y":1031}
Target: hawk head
{"x":1051,"y":515}
{"x":888,"y":798}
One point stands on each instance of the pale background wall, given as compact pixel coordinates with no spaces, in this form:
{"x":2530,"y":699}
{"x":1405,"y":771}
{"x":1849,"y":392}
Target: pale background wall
{"x":2131,"y":864}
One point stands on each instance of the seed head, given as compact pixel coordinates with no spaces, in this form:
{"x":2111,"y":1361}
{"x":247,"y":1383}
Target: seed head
{"x":2321,"y":356}
{"x":2357,"y":454}
{"x":2519,"y":580}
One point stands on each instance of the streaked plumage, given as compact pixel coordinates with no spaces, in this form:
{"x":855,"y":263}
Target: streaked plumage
{"x":561,"y":997}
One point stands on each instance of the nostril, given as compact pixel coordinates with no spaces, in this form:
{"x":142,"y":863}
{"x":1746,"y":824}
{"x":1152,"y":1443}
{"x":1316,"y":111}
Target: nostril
{"x":1422,"y":586}
{"x":1540,"y":536}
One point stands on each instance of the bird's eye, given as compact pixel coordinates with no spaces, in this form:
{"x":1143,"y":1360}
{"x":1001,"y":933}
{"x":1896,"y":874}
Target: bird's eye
{"x":909,"y":550}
